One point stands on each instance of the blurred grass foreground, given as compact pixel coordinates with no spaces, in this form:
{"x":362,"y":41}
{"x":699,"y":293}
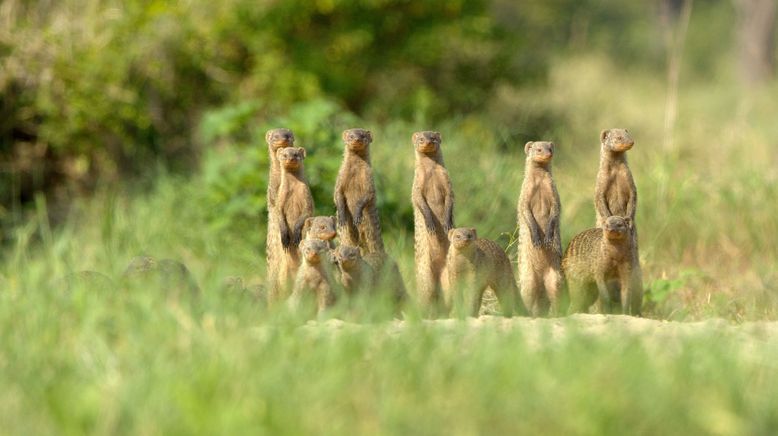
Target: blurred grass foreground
{"x":137,"y":127}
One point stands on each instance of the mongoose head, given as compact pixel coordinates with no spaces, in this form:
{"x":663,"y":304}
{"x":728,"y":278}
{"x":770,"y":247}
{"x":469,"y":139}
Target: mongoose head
{"x":616,"y":228}
{"x":291,"y":158}
{"x":427,"y":142}
{"x":357,"y":139}
{"x":347,"y":256}
{"x":617,"y":140}
{"x":313,"y":250}
{"x":320,"y":227}
{"x":462,"y":237}
{"x":279,"y":138}
{"x":539,"y":151}
{"x":139,"y":265}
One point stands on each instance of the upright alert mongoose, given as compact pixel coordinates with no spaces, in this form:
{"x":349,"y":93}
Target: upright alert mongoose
{"x":294,"y":204}
{"x":433,"y":215}
{"x":540,"y":247}
{"x":314,"y":279}
{"x":472,"y":265}
{"x":600,"y":265}
{"x":615,"y":192}
{"x":276,"y":139}
{"x":355,"y":195}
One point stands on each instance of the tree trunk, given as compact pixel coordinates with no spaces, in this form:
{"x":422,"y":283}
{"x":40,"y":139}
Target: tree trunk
{"x":755,"y":39}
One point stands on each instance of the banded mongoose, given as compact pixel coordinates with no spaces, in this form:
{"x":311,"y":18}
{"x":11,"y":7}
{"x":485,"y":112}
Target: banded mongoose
{"x":615,"y":192}
{"x":321,"y":227}
{"x":276,"y":139}
{"x":314,"y":278}
{"x":87,"y":280}
{"x":294,"y":204}
{"x":168,"y":274}
{"x":539,"y":246}
{"x":600,"y":266}
{"x":433,"y":216}
{"x":474,"y":264}
{"x":355,"y":274}
{"x":355,"y":195}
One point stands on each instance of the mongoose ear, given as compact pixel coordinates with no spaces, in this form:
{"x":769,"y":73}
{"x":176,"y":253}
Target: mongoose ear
{"x":437,"y":135}
{"x":553,"y":146}
{"x":267,"y":135}
{"x":343,"y":135}
{"x":475,"y":233}
{"x":278,"y":152}
{"x":302,"y":151}
{"x":332,"y":218}
{"x":307,"y":224}
{"x":527,"y":146}
{"x":604,"y":135}
{"x":415,"y":137}
{"x":369,"y":136}
{"x":628,"y":221}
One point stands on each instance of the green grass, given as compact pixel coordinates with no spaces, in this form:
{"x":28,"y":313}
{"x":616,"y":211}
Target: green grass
{"x":135,"y":361}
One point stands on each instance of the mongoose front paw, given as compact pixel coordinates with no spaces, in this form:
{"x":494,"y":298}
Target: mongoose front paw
{"x":342,"y":221}
{"x":536,"y":241}
{"x":357,"y":218}
{"x":285,"y":240}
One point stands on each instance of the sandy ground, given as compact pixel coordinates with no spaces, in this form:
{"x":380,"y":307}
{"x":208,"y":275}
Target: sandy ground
{"x":655,"y":334}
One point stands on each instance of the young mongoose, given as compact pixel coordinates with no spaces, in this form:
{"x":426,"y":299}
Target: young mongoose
{"x":276,"y":139}
{"x":433,"y":215}
{"x":600,"y":262}
{"x":355,"y":195}
{"x":321,"y":227}
{"x":615,"y":192}
{"x":355,"y":274}
{"x":314,"y":277}
{"x":474,"y":264}
{"x":294,"y":204}
{"x":539,"y":246}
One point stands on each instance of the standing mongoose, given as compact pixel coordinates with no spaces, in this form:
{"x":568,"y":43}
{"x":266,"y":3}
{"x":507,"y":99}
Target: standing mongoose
{"x":314,"y":277}
{"x":539,"y":246}
{"x":474,"y":264}
{"x":356,"y":275}
{"x":355,"y":195}
{"x":615,"y":192}
{"x":433,"y":215}
{"x":321,"y":227}
{"x":276,"y":139}
{"x":600,"y":265}
{"x":294,"y":204}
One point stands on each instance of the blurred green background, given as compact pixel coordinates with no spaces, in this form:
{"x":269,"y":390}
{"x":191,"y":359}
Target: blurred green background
{"x":131,"y":127}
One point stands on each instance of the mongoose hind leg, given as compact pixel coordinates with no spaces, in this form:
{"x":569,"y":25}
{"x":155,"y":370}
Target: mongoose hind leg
{"x":530,"y":294}
{"x":552,"y":281}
